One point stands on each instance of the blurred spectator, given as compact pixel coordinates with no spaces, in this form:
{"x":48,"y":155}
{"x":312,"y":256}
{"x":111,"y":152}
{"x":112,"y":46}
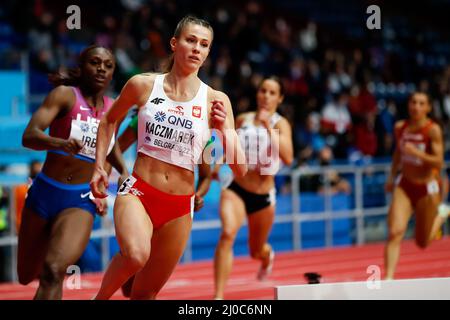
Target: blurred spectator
{"x":443,"y":108}
{"x":385,"y":127}
{"x":105,"y":36}
{"x":133,"y":5}
{"x":335,"y":115}
{"x":329,"y":181}
{"x":296,"y":84}
{"x":126,"y":67}
{"x":42,"y":40}
{"x":362,"y":102}
{"x":308,"y":38}
{"x":336,"y":123}
{"x":339,"y":80}
{"x":364,"y":135}
{"x":314,"y":79}
{"x":308,"y":139}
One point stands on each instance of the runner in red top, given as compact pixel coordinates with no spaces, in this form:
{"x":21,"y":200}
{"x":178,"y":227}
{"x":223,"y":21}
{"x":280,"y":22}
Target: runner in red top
{"x":417,"y":158}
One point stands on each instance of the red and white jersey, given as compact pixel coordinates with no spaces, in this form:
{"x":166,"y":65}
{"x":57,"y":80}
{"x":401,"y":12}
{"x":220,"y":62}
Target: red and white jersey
{"x":171,"y":131}
{"x":419,"y":138}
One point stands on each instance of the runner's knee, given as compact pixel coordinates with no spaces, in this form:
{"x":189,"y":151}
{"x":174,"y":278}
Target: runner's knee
{"x":53,"y":272}
{"x":136,"y":257}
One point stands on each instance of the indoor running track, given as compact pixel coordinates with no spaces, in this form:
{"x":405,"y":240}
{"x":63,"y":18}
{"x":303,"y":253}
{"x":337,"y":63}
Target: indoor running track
{"x":195,"y":280}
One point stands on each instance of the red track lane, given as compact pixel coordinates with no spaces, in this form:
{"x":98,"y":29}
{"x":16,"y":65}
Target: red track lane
{"x":195,"y":280}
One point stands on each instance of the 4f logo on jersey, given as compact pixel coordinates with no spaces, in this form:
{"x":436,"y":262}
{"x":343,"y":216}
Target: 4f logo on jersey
{"x":157,"y":101}
{"x":197,"y":111}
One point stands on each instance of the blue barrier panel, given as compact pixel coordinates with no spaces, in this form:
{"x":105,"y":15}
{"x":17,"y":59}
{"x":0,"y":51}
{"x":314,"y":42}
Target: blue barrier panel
{"x":204,"y":243}
{"x":281,"y":237}
{"x":91,"y":259}
{"x":14,"y":88}
{"x":11,"y":131}
{"x":11,"y":150}
{"x":313,"y":233}
{"x":284,"y":204}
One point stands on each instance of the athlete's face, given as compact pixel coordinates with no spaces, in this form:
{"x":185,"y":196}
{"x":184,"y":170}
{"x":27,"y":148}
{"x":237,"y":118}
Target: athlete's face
{"x":191,"y":48}
{"x":269,"y":96}
{"x":98,"y":68}
{"x":418,"y":106}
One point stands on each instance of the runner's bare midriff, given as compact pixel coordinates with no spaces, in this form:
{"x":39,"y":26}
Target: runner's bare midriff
{"x":67,"y":169}
{"x":254,"y":182}
{"x":164,"y":176}
{"x":418,"y":174}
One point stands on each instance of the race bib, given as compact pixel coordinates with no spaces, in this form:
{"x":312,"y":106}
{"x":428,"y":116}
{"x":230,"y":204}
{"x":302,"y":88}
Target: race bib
{"x":86,"y":132}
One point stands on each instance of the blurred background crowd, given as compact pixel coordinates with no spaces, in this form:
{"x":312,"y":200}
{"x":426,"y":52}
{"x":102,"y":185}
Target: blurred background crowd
{"x":345,"y":84}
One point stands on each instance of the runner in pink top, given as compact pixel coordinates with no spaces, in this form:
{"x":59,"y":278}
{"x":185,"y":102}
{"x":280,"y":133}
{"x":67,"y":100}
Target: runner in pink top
{"x":81,"y":123}
{"x":60,"y":209}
